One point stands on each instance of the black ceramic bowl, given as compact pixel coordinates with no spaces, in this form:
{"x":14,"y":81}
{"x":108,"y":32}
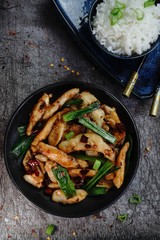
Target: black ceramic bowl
{"x":91,"y":16}
{"x":90,"y":205}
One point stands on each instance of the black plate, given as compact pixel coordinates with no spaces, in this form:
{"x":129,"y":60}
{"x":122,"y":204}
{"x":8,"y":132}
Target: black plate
{"x":90,"y":205}
{"x":75,"y":15}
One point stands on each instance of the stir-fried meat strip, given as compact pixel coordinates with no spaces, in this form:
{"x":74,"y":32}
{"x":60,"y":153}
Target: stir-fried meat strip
{"x":43,"y":134}
{"x":57,"y":132}
{"x":82,"y":173}
{"x":111,"y":115}
{"x":38,"y":112}
{"x":52,"y":108}
{"x":85,"y":142}
{"x":35,"y":181}
{"x":48,"y":167}
{"x":59,"y":197}
{"x":120,"y":161}
{"x":54,"y":154}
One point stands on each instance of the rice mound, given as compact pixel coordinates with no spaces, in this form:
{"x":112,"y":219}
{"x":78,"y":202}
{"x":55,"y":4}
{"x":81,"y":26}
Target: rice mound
{"x":129,"y":35}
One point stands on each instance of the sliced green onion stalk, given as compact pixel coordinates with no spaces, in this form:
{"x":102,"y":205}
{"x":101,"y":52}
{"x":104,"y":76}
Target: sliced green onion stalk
{"x":89,"y":158}
{"x":21,"y":130}
{"x":95,"y":128}
{"x":135,"y":199}
{"x":50,"y":229}
{"x":65,"y":183}
{"x":129,"y":139}
{"x":101,"y":172}
{"x":22,"y":145}
{"x":97,"y":191}
{"x":123,"y":217}
{"x":120,"y":5}
{"x":69,"y":135}
{"x":78,"y":113}
{"x":115,"y":11}
{"x":139,"y":13}
{"x":113,"y":20}
{"x":76,"y":101}
{"x":149,"y":3}
{"x":96,"y":164}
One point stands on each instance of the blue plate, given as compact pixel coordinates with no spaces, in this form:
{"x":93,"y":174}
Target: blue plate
{"x":75,"y":15}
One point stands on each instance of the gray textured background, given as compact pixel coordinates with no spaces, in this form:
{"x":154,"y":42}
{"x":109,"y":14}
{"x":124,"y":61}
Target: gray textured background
{"x":31,"y":38}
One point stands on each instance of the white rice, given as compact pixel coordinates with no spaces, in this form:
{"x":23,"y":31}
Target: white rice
{"x":128,"y":35}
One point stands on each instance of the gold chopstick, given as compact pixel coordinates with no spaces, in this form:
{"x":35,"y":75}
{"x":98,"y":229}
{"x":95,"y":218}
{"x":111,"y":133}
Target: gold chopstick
{"x":132,"y":81}
{"x":155,"y":103}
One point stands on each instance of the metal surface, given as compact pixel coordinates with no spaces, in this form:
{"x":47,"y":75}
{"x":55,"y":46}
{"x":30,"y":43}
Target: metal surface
{"x":36,"y":48}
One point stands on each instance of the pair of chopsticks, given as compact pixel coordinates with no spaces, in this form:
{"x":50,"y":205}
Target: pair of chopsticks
{"x":131,"y":83}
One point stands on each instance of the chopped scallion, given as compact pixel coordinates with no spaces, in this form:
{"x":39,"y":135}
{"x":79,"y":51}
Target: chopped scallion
{"x":69,"y":135}
{"x":50,"y":229}
{"x":120,"y":5}
{"x":97,"y":191}
{"x":135,"y":199}
{"x":115,"y":11}
{"x":96,"y":164}
{"x":139,"y":13}
{"x":123,"y":217}
{"x":149,"y":3}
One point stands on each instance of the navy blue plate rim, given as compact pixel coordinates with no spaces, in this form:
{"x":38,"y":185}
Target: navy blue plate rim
{"x":148,"y":76}
{"x":36,"y":196}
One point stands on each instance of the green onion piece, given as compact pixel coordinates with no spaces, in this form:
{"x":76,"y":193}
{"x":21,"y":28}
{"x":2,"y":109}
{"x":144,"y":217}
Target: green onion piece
{"x":129,"y":139}
{"x":77,"y":113}
{"x":135,"y":199}
{"x":21,"y":130}
{"x":113,"y":20}
{"x":123,"y":217}
{"x":119,"y":15}
{"x":69,"y":135}
{"x":101,"y":172}
{"x":120,"y":5}
{"x":115,"y":11}
{"x":50,"y":229}
{"x":76,"y":101}
{"x":139,"y":13}
{"x":89,"y":158}
{"x":96,"y":164}
{"x":149,"y":3}
{"x":65,"y":183}
{"x":100,"y":131}
{"x":97,"y":191}
{"x":22,"y":145}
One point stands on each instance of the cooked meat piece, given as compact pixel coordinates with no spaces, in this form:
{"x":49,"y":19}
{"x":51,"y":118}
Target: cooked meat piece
{"x":82,"y":173}
{"x":34,"y":180}
{"x":59,"y":102}
{"x":120,"y":161}
{"x":119,"y":132}
{"x":43,"y":134}
{"x":41,"y":157}
{"x":53,"y":185}
{"x":92,"y":142}
{"x":111,"y":116}
{"x":48,"y":167}
{"x":54,"y":154}
{"x":38,"y":112}
{"x":59,"y":197}
{"x":87,"y":98}
{"x":57,"y":132}
{"x":26,"y":158}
